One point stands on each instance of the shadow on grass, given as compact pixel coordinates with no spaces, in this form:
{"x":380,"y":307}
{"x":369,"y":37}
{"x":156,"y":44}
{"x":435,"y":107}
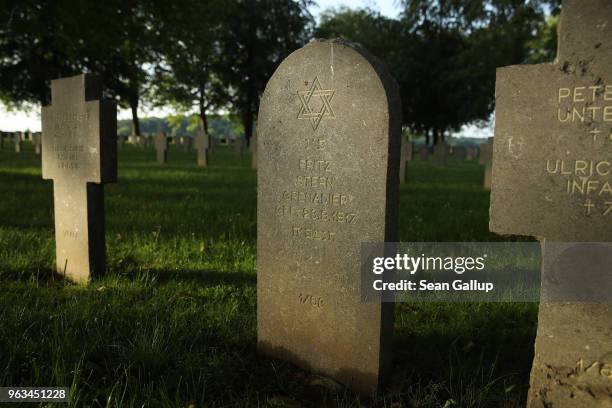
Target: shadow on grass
{"x":202,"y":277}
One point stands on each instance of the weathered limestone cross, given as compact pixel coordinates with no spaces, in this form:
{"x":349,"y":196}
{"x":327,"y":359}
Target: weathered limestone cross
{"x":79,"y":155}
{"x":552,"y":180}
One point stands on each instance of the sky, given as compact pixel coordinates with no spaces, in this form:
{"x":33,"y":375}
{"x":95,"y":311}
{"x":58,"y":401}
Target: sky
{"x":30,"y":120}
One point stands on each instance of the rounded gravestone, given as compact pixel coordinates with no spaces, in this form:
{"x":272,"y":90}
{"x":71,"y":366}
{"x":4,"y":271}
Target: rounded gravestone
{"x":329,"y":143}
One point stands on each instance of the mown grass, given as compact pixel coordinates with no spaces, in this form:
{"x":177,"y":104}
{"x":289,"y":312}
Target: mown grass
{"x":173,"y":323}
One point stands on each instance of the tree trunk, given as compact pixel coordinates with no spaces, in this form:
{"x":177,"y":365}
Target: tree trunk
{"x":203,"y":118}
{"x":436,"y":136}
{"x":427,"y":138}
{"x":135,"y":120}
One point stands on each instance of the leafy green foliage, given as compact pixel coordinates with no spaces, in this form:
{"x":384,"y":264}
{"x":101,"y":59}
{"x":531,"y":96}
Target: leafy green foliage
{"x":444,"y":54}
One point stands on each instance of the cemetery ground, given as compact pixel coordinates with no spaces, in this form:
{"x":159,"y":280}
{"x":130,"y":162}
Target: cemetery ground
{"x":173,"y":322}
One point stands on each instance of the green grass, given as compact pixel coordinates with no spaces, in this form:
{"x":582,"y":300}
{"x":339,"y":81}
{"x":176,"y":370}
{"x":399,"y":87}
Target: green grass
{"x":173,"y":323}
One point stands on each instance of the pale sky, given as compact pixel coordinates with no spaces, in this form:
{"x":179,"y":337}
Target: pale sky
{"x":30,"y":120}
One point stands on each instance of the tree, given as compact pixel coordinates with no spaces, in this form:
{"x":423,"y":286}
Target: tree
{"x":258,"y":35}
{"x":188,"y":41}
{"x":35,"y":46}
{"x":443,"y":54}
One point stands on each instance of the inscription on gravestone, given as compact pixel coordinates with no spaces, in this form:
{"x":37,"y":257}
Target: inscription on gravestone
{"x":552,"y":179}
{"x":161,"y":147}
{"x":79,"y":154}
{"x":328,"y":120}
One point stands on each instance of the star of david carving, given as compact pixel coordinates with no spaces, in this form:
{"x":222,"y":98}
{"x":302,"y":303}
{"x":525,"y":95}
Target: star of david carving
{"x":310,"y":113}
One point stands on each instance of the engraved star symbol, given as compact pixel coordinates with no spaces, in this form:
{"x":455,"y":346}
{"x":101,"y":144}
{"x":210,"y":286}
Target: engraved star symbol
{"x":307,"y":112}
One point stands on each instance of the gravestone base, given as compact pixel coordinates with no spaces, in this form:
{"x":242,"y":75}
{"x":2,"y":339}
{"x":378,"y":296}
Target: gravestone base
{"x":79,"y":233}
{"x":569,"y":369}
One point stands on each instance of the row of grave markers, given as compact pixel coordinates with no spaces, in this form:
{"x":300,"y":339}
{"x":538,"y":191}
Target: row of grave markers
{"x":330,"y":119}
{"x":17,"y":139}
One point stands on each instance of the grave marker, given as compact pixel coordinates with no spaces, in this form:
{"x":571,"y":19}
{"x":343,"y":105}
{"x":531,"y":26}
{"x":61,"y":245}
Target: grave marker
{"x":36,"y":141}
{"x":328,"y":120}
{"x":201,"y":145}
{"x":161,"y":147}
{"x":18,"y":141}
{"x":551,"y":179}
{"x":79,"y":154}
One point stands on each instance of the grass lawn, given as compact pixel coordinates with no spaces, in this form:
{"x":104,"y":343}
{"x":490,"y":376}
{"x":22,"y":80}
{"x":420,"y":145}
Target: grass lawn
{"x":173,"y":323}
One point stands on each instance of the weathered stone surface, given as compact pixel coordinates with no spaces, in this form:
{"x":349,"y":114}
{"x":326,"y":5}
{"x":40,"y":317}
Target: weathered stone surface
{"x":36,"y":141}
{"x":329,"y":139}
{"x":202,"y":144}
{"x":551,"y":179}
{"x":441,"y":153}
{"x":161,"y":147}
{"x":79,"y":154}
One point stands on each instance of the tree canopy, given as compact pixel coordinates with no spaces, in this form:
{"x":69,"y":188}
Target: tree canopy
{"x":212,"y":56}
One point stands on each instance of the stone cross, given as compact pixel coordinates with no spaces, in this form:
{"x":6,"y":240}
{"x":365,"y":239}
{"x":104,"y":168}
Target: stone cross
{"x":18,"y":141}
{"x":253,"y":147}
{"x":161,"y":146}
{"x":329,"y":119}
{"x":201,"y":145}
{"x":36,"y":141}
{"x":79,"y":154}
{"x":552,"y":179}
{"x":441,"y":153}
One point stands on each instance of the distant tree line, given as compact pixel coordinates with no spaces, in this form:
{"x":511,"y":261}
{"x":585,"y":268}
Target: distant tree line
{"x":211,"y":55}
{"x":219,"y":126}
